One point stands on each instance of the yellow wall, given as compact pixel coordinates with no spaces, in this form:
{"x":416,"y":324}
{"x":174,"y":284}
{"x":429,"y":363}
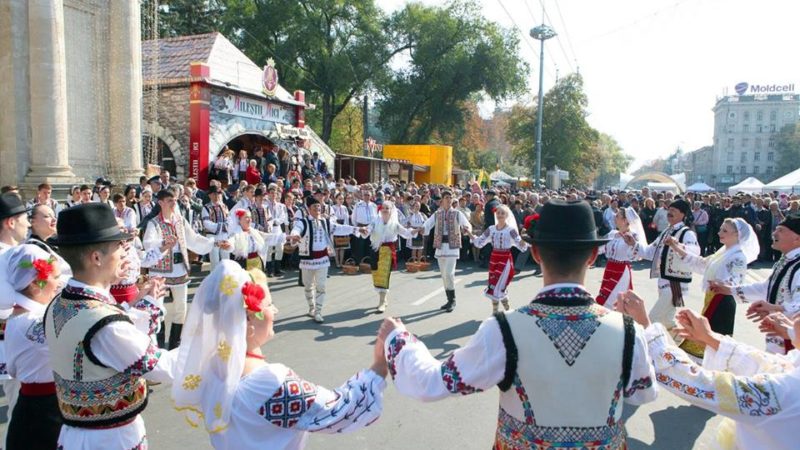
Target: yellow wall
{"x":438,"y":157}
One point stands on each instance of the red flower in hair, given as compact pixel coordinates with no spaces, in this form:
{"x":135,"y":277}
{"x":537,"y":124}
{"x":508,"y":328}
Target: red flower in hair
{"x":240,"y":213}
{"x":43,"y":267}
{"x":253,"y":295}
{"x":531,"y":220}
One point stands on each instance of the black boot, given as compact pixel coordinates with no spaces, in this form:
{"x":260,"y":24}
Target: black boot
{"x":270,"y":268}
{"x":300,"y":278}
{"x":276,"y":268}
{"x":451,"y":301}
{"x":161,"y":338}
{"x":175,"y":335}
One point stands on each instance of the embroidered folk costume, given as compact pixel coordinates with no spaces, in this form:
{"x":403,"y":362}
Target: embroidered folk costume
{"x":100,"y":357}
{"x":416,"y":220}
{"x":269,"y":407}
{"x":727,"y":266}
{"x":383,"y":240}
{"x":564,"y":364}
{"x":617,"y":277}
{"x":35,"y":421}
{"x":215,"y":224}
{"x":758,"y":392}
{"x":250,"y":247}
{"x":280,"y":219}
{"x":314,"y":235}
{"x":673,"y":273}
{"x":447,"y":224}
{"x":501,"y":261}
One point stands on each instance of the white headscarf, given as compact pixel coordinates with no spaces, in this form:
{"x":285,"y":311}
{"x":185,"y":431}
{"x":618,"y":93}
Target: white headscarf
{"x":748,"y":241}
{"x":18,"y":272}
{"x":380,"y":229}
{"x":511,"y":221}
{"x":212,"y":353}
{"x":635,"y":226}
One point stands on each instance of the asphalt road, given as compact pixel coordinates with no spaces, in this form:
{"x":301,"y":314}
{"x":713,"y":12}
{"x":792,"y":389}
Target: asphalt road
{"x":329,"y":353}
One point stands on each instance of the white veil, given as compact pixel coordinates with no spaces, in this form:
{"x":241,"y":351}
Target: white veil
{"x":748,"y":240}
{"x":511,"y":221}
{"x":635,"y":226}
{"x":379,"y":229}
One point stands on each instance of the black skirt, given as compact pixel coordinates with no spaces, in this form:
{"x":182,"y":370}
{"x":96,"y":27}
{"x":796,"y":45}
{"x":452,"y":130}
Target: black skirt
{"x":35,"y":423}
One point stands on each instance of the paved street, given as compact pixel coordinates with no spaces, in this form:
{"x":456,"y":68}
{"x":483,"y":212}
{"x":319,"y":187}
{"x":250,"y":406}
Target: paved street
{"x":328,"y":354}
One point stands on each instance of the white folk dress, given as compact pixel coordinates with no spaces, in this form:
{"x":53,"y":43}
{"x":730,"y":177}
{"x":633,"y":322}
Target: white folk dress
{"x":617,"y":274}
{"x":273,"y":408}
{"x":416,"y":220}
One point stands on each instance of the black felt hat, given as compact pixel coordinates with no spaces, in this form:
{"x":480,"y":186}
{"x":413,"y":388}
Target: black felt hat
{"x":90,"y":223}
{"x":11,"y":205}
{"x":566,"y":224}
{"x":791,"y":222}
{"x":682,"y":206}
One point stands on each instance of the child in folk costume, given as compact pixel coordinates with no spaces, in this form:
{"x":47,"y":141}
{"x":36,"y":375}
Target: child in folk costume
{"x":249,"y":245}
{"x":503,"y":235}
{"x":30,"y":280}
{"x":224,"y":384}
{"x":416,"y":219}
{"x":619,"y":254}
{"x":341,"y":241}
{"x":383,"y":232}
{"x":727,"y":266}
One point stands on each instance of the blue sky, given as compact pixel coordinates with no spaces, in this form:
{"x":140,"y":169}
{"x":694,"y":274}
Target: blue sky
{"x":654,"y":68}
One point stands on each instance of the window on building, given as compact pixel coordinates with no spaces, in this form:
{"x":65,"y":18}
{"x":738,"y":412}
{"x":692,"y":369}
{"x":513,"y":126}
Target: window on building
{"x":730,"y":143}
{"x":729,"y":170}
{"x":771,"y":143}
{"x":746,"y":116}
{"x":731,"y":127}
{"x":759,"y":116}
{"x":770,"y":156}
{"x":773,"y":115}
{"x":769,"y":170}
{"x":772,"y":128}
{"x":757,"y":156}
{"x":730,"y":156}
{"x":755,"y":170}
{"x":742,"y":170}
{"x":745,"y":128}
{"x":757,"y":142}
{"x":759,"y":128}
{"x":745,"y":142}
{"x":743,"y":157}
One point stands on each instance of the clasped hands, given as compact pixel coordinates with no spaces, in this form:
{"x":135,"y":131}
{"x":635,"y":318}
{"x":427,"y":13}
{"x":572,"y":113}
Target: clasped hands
{"x":379,"y":364}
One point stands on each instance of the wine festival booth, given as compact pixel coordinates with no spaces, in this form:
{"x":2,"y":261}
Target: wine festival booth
{"x":202,"y":94}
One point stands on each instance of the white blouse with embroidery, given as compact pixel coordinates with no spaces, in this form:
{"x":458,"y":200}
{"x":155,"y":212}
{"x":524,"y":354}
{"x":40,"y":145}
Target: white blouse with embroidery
{"x":27,"y":354}
{"x":759,"y":391}
{"x":275,"y":409}
{"x":728,"y":268}
{"x":501,"y":239}
{"x":619,"y":250}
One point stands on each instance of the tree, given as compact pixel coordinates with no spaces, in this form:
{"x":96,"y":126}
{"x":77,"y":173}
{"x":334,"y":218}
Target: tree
{"x":568,"y":141}
{"x":613,"y":161}
{"x":454,"y":53}
{"x":333,"y":49}
{"x":348,"y":131}
{"x":787,"y":146}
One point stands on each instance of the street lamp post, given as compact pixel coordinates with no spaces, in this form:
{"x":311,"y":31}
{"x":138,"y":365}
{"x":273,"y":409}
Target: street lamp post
{"x":540,"y":33}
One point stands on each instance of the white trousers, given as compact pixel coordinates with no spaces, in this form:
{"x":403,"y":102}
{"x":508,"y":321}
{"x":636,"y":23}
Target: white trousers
{"x":217,"y":254}
{"x":314,"y":285}
{"x":275,"y":253}
{"x":179,"y":298}
{"x":447,"y":266}
{"x":663,"y":311}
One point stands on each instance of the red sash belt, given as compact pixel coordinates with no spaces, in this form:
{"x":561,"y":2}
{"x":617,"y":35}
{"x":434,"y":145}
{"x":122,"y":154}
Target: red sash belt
{"x":37,"y":389}
{"x":253,"y":255}
{"x":123,"y":293}
{"x":316,"y":254}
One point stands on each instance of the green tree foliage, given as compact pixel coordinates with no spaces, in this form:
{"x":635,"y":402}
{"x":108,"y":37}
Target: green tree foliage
{"x":787,"y":145}
{"x":612,"y":161}
{"x":568,"y":140}
{"x":453,"y":54}
{"x":348,"y":131}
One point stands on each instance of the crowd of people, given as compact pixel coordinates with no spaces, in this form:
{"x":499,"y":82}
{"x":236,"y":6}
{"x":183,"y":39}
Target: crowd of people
{"x":83,"y":281}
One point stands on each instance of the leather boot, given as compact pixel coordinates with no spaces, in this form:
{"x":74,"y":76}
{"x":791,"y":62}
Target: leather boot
{"x":161,"y":336}
{"x":446,"y":305}
{"x":175,"y":335}
{"x":270,"y":265}
{"x":382,"y":302}
{"x":451,"y":300}
{"x":276,"y":268}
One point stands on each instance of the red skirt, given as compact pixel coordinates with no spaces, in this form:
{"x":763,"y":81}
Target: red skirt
{"x":611,"y":278}
{"x":501,"y":272}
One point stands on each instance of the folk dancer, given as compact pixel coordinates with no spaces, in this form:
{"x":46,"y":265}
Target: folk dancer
{"x":673,"y":274}
{"x":503,"y":235}
{"x":126,"y":290}
{"x":447,"y":224}
{"x":617,"y":277}
{"x":14,"y":226}
{"x":341,"y":215}
{"x":100,"y":354}
{"x":280,"y":219}
{"x":756,"y":392}
{"x":248,"y":244}
{"x":127,"y":215}
{"x":383,"y":233}
{"x":43,"y":227}
{"x":726,"y":266}
{"x":416,"y":219}
{"x":171,"y":236}
{"x":563,"y":362}
{"x":226,"y":386}
{"x":779,"y":293}
{"x":313,"y":234}
{"x":215,"y":223}
{"x":364,"y":213}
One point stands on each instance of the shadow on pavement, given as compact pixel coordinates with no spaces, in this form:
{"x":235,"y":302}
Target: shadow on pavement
{"x":441,"y":338}
{"x":693,"y":422}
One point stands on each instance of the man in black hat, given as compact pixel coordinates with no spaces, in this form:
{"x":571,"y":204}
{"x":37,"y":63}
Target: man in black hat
{"x":215,"y":223}
{"x":779,"y":293}
{"x":488,"y":220}
{"x":99,"y":357}
{"x":170,"y":234}
{"x":673,"y":273}
{"x":14,"y":222}
{"x":155,"y":184}
{"x":562,"y":363}
{"x":280,"y":218}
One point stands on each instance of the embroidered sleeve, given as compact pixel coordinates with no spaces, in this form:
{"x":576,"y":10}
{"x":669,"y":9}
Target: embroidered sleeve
{"x":742,"y":359}
{"x":751,"y":292}
{"x":641,"y":388}
{"x":734,"y":271}
{"x":152,"y":312}
{"x":484,"y":238}
{"x":303,"y":405}
{"x":793,"y":307}
{"x":743,"y":398}
{"x":690,"y":243}
{"x":201,"y":245}
{"x":146,"y":363}
{"x":517,"y":240}
{"x":477,"y":366}
{"x":124,"y":348}
{"x":696,"y":263}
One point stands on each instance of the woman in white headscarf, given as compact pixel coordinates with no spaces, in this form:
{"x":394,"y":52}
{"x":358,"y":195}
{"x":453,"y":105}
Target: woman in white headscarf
{"x":383,"y":233}
{"x":503,"y":235}
{"x":617,"y":275}
{"x":30,"y":280}
{"x":249,"y":246}
{"x":727,"y":266}
{"x":224,"y":384}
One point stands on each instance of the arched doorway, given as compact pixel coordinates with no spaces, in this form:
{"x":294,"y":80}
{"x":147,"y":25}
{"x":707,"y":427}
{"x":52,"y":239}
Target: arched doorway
{"x":162,"y":155}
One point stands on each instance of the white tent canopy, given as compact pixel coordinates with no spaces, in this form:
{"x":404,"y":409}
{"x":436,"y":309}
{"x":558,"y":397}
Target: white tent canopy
{"x":787,"y":183}
{"x":499,"y":175}
{"x":749,"y":185}
{"x":699,"y":187}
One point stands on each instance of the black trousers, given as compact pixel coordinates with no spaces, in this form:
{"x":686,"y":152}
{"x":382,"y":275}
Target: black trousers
{"x":360,"y":248}
{"x":35,"y":423}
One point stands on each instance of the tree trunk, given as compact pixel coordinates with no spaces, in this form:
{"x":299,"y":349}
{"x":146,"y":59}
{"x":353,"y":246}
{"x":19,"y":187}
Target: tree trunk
{"x":327,"y":117}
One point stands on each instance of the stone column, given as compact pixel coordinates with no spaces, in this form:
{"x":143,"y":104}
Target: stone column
{"x":125,"y":92}
{"x":49,"y":153}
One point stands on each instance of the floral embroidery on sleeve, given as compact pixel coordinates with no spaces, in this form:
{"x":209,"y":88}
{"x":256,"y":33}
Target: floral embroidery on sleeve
{"x":395,"y":345}
{"x":288,"y":404}
{"x":640,"y":384}
{"x":146,"y":363}
{"x":453,"y":380}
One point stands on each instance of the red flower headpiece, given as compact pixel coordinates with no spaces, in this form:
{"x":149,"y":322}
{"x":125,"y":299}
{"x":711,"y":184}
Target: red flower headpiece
{"x":253,"y":295}
{"x":530,"y":223}
{"x":240,"y":213}
{"x":43,"y":267}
